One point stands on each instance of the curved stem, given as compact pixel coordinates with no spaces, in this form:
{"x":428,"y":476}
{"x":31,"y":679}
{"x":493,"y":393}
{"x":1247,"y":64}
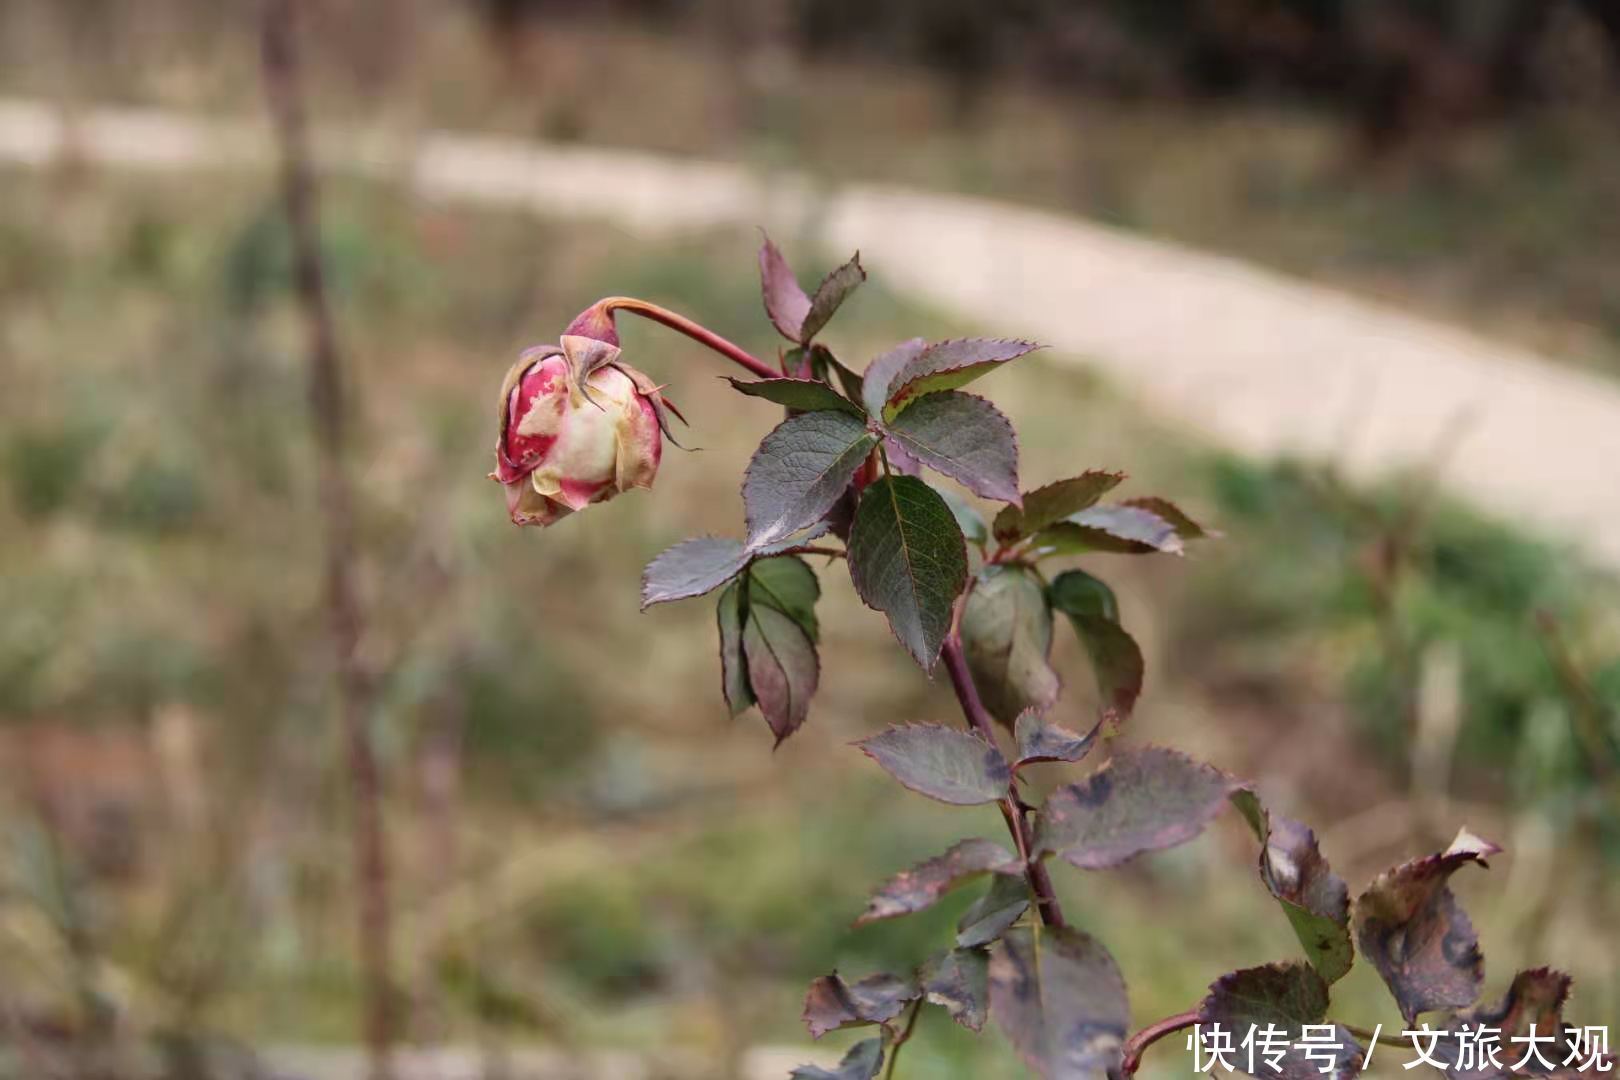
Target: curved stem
{"x":902,"y":1038}
{"x":1138,"y":1043}
{"x":681,"y":324}
{"x":1040,"y":882}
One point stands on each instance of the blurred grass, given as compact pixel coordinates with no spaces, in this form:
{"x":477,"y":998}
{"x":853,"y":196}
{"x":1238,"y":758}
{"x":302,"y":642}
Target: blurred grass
{"x":616,"y":865}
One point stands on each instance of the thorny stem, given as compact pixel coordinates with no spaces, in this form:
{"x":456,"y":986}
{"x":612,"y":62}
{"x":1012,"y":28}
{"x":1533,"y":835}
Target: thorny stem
{"x":1138,"y":1043}
{"x":604,"y":309}
{"x":902,"y":1038}
{"x":283,"y":93}
{"x":1040,"y":882}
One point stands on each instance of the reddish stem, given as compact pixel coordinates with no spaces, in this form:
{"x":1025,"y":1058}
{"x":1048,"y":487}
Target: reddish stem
{"x":1040,"y":882}
{"x":1138,"y":1043}
{"x":597,"y":321}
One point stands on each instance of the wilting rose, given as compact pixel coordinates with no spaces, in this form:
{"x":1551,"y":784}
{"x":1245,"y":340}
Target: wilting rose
{"x":576,"y":427}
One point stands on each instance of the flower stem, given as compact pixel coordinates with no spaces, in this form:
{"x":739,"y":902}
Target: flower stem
{"x":1040,"y":882}
{"x":600,"y":314}
{"x":902,"y":1038}
{"x":1138,"y":1043}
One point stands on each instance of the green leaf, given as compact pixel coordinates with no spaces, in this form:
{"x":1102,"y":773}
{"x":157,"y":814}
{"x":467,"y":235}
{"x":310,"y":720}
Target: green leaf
{"x":1006,"y":638}
{"x":1314,"y":898}
{"x":947,"y":764}
{"x":804,"y":395}
{"x":963,"y":437}
{"x":785,"y":301}
{"x":783,"y":669}
{"x":799,"y":471}
{"x":1277,"y":1002}
{"x":850,"y":380}
{"x":1075,"y":592}
{"x":1115,"y":659}
{"x":974,"y":528}
{"x":862,"y":1062}
{"x":1050,"y":504}
{"x":924,"y":884}
{"x":830,"y":295}
{"x":1003,"y":904}
{"x":831,"y":1003}
{"x":960,"y":981}
{"x":948,"y":365}
{"x":1041,"y":740}
{"x":881,"y":372}
{"x":733,"y":664}
{"x":1115,"y":528}
{"x":787,"y":584}
{"x":691,"y":568}
{"x":1060,"y":999}
{"x":1142,"y":800}
{"x":907,"y":559}
{"x":1409,"y":924}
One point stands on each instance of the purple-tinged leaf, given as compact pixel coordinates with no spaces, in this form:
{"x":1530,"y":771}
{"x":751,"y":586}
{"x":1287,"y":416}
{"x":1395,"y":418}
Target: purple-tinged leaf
{"x":799,"y":471}
{"x":1006,"y":638}
{"x":960,"y":981}
{"x":901,"y":461}
{"x":783,"y":669}
{"x":691,"y":568}
{"x":926,"y":883}
{"x":908,"y":560}
{"x":830,"y":295}
{"x":1276,"y":1002}
{"x":947,"y":764}
{"x":881,"y":373}
{"x":1052,"y":503}
{"x":1185,"y":526}
{"x":803,"y":395}
{"x":787,"y":584}
{"x":785,"y":301}
{"x":948,"y":365}
{"x":831,"y":1003}
{"x":1114,"y":528}
{"x":1143,"y":800}
{"x":1040,"y":740}
{"x":1060,"y":999}
{"x":1314,"y":898}
{"x":1115,"y":659}
{"x":1409,"y":924}
{"x":1075,"y":592}
{"x":862,"y":1062}
{"x":963,"y":437}
{"x":733,"y":664}
{"x":1533,"y":1005}
{"x":849,"y":380}
{"x":988,"y":917}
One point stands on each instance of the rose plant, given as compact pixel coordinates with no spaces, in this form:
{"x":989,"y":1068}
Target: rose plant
{"x":844,"y":476}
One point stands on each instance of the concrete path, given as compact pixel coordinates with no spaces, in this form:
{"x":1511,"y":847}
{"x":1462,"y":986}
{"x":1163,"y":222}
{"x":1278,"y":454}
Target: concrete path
{"x":1249,"y":358}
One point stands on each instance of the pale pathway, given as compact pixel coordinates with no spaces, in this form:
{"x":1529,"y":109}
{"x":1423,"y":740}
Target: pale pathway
{"x":1255,"y":360}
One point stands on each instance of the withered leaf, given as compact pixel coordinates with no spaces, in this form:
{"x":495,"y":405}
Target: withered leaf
{"x":947,"y":764}
{"x":862,"y":1062}
{"x":1039,"y":739}
{"x":1533,"y":1004}
{"x":1142,"y":800}
{"x":1314,"y":898}
{"x":1277,"y":1001}
{"x":960,"y":981}
{"x":924,"y":884}
{"x":1409,"y":924}
{"x":1060,"y":999}
{"x":831,"y":1003}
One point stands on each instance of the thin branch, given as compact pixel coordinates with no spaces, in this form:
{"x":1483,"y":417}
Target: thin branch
{"x":284,"y":95}
{"x":1040,"y":881}
{"x":902,"y":1038}
{"x":1137,"y":1044}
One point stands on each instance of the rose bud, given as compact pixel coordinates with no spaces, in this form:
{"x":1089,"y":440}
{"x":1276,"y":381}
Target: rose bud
{"x":576,"y":427}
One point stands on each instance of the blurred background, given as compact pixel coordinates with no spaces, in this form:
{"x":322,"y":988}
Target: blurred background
{"x":587,"y":857}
